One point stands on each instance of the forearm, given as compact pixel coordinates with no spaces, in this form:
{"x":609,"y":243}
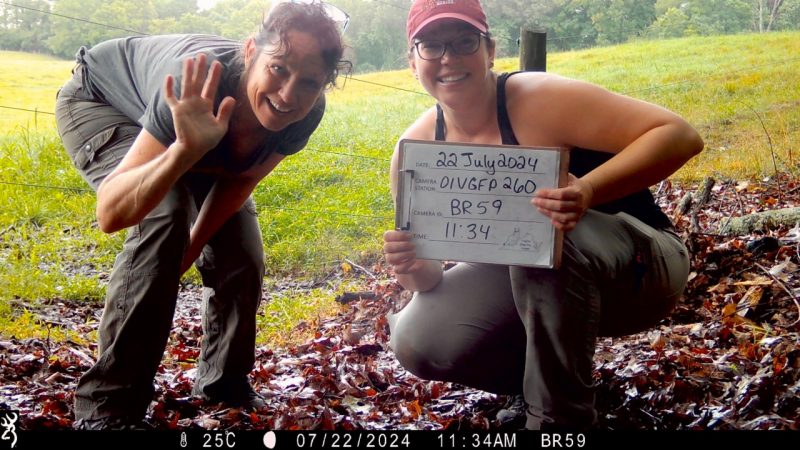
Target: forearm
{"x":652,"y":157}
{"x":126,"y":197}
{"x":223,"y":201}
{"x":419,"y":275}
{"x":424,"y":278}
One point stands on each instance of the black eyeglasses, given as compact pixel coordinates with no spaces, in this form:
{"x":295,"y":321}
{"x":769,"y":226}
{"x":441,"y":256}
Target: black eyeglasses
{"x":465,"y":44}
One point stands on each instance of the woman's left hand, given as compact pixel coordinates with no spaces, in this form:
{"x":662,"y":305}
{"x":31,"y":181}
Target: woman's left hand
{"x":565,"y":206}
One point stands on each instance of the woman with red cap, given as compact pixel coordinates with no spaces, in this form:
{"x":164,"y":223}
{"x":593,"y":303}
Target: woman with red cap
{"x":532,"y":331}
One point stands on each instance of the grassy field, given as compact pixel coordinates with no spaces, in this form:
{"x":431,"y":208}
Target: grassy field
{"x":29,"y":81}
{"x":331,"y":202}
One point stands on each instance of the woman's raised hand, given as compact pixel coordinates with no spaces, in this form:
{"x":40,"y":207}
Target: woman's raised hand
{"x":197,"y":129}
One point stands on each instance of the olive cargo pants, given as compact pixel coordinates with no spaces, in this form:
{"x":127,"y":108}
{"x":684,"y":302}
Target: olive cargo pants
{"x":513,"y":330}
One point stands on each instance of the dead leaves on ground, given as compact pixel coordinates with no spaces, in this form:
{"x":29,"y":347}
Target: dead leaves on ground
{"x":728,"y":358}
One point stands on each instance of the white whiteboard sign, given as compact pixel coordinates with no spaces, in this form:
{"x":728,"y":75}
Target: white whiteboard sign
{"x":466,"y":202}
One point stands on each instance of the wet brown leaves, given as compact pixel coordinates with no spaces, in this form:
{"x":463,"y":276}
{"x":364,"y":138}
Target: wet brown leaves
{"x":728,"y":358}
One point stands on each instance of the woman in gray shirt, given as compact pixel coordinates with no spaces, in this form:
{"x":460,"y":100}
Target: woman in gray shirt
{"x":174,"y":133}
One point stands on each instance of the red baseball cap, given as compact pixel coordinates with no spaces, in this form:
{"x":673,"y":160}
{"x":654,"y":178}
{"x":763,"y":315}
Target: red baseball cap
{"x":424,"y":12}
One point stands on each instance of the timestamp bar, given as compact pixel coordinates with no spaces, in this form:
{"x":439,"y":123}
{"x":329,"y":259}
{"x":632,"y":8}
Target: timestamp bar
{"x":232,"y":439}
{"x":394,"y":439}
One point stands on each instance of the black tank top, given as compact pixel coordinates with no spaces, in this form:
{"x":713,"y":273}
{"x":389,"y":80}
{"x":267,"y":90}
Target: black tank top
{"x":639,"y":204}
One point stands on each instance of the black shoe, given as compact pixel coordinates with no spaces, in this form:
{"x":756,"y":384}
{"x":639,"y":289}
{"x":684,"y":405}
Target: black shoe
{"x":244,"y":397}
{"x":247,"y":400}
{"x":111,"y":423}
{"x":514,"y":413}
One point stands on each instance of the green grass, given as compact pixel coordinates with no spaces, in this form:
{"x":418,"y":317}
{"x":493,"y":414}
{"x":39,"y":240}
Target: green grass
{"x":24,"y":324}
{"x":50,"y":247}
{"x":331,"y":201}
{"x":725,"y":86}
{"x":30,"y":81}
{"x":293,"y":315}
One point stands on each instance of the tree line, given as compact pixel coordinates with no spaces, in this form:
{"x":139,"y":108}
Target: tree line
{"x":376,"y":34}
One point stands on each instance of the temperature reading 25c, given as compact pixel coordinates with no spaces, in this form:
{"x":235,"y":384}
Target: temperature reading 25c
{"x":469,"y":231}
{"x":219,"y":439}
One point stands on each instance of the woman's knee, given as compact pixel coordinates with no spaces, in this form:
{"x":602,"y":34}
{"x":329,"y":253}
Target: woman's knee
{"x":417,"y":357}
{"x":247,"y":262}
{"x":420,"y":350}
{"x":238,"y":244}
{"x":238,"y":260}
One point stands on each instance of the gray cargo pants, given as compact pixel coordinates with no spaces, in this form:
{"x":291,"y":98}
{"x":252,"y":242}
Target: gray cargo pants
{"x":142,"y":291}
{"x":512,"y":330}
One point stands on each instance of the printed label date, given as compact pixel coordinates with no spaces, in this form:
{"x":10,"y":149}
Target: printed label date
{"x":360,"y":439}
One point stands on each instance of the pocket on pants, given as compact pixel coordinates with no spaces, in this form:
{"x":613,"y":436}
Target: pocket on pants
{"x":88,"y":152}
{"x":645,"y":259}
{"x":661,"y":267}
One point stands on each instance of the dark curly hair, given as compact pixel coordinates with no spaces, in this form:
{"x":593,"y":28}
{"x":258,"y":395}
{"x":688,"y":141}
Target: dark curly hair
{"x":310,"y":18}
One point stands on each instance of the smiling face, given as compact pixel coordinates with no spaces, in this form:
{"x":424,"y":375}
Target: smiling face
{"x":453,"y":78}
{"x":283,"y":84}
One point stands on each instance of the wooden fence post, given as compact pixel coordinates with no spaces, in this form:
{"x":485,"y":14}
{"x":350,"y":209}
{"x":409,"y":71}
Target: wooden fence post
{"x":532,"y":50}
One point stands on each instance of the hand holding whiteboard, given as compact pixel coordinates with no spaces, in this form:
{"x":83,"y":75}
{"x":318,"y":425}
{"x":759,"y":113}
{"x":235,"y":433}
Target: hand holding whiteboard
{"x":469,"y":202}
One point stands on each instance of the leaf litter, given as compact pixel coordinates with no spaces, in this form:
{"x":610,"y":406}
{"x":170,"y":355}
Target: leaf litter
{"x":727,"y":358}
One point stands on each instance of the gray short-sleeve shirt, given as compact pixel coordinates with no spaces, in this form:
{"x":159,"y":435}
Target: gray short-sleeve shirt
{"x":128,"y":74}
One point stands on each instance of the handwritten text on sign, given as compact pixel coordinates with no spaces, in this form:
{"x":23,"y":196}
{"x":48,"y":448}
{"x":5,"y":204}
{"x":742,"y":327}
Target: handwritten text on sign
{"x":472,"y":203}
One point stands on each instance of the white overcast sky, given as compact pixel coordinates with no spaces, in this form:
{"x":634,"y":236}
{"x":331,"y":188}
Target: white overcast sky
{"x":205,"y":4}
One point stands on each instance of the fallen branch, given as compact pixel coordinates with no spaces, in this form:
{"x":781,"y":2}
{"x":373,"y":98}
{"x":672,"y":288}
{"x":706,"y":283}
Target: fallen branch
{"x":703,"y":195}
{"x":683,"y":206}
{"x":367,"y":272}
{"x":348,"y":297}
{"x":86,"y":358}
{"x":738,"y":226}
